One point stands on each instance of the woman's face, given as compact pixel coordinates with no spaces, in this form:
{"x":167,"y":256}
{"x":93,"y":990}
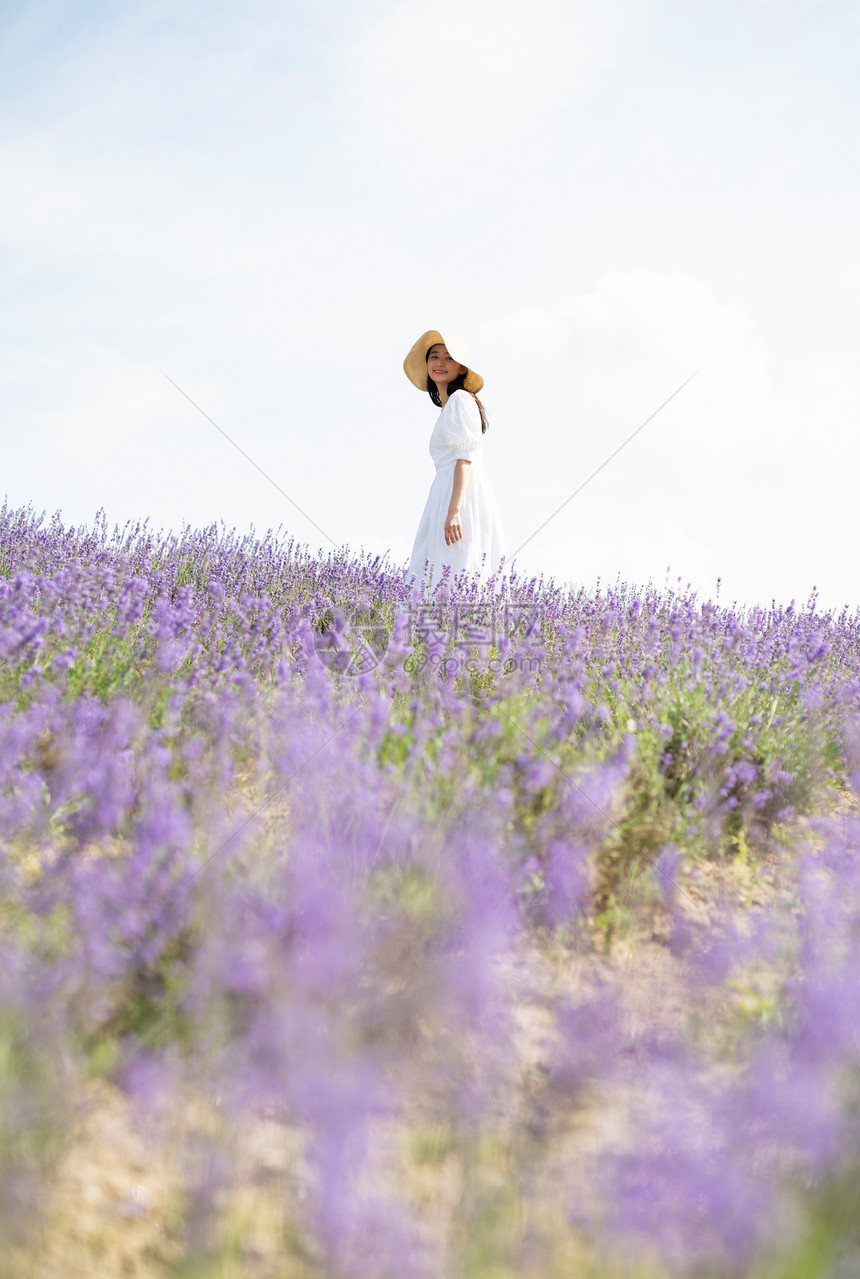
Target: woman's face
{"x":441,"y":367}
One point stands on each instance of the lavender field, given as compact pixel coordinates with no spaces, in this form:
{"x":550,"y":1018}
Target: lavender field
{"x":348,"y":933}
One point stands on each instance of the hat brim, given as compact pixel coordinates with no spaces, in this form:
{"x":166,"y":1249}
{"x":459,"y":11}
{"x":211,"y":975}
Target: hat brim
{"x":415,"y":364}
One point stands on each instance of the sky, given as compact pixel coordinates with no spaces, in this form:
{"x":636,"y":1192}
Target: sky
{"x":267,"y":203}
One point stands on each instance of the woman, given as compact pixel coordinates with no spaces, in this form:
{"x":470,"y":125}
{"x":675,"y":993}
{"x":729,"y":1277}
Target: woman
{"x":461,"y":526}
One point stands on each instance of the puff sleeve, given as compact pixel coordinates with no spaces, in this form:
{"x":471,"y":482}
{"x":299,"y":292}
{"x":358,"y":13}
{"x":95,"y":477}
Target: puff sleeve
{"x":463,"y":426}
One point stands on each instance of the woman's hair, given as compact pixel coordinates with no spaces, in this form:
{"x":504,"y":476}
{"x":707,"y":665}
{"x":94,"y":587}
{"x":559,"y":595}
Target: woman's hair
{"x":457,"y":385}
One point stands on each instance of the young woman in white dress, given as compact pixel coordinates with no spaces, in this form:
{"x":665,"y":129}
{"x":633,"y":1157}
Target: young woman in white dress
{"x":461,"y":526}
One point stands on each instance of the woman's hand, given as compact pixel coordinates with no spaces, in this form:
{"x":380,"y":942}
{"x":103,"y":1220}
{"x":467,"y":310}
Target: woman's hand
{"x":453,"y":526}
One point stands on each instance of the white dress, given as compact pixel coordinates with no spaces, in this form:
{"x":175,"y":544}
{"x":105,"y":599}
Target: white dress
{"x":457,"y":434}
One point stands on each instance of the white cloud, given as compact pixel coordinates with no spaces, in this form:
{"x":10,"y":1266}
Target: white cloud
{"x":632,"y":339}
{"x":709,"y":488}
{"x":431,"y":88}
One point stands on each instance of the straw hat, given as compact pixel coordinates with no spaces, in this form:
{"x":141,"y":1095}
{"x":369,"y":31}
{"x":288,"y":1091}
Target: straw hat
{"x":415,"y":364}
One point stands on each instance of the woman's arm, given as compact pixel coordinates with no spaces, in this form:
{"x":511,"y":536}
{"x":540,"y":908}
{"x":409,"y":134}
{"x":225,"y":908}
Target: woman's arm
{"x":453,"y":524}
